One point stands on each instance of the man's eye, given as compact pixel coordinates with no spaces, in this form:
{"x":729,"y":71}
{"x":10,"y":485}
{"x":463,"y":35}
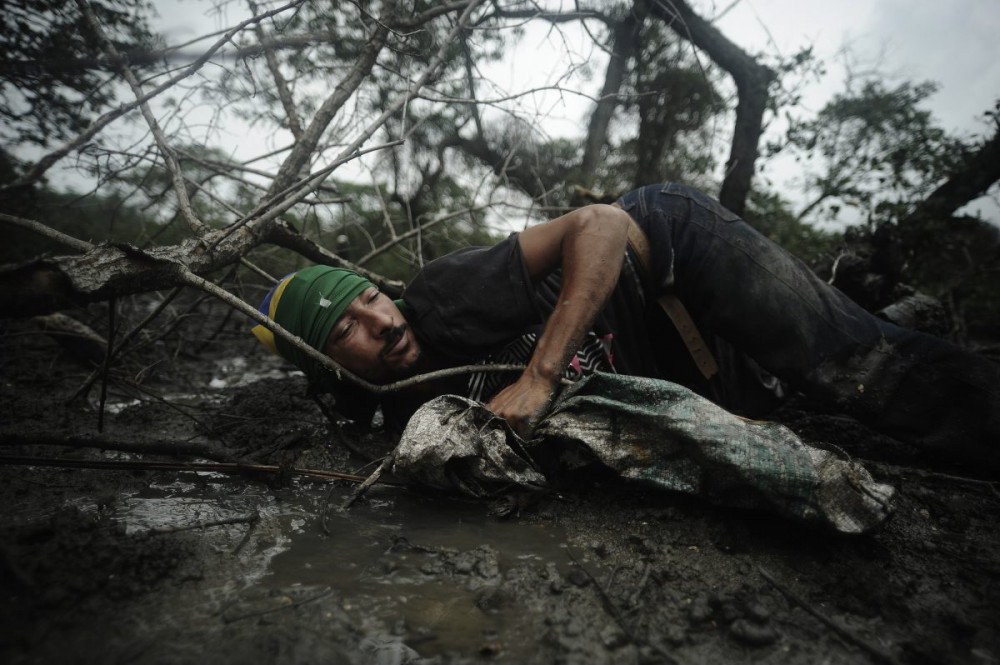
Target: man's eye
{"x":374,"y":295}
{"x":343,"y":332}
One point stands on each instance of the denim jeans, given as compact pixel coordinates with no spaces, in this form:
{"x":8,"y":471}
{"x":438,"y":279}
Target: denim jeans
{"x":768,"y":305}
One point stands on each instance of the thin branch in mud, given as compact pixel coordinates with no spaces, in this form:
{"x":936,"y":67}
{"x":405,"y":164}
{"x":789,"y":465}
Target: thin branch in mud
{"x":246,"y":536}
{"x":85,"y":387}
{"x":231,"y":468}
{"x":112,"y":306}
{"x":225,"y":521}
{"x":143,"y":447}
{"x":370,"y":480}
{"x":167,"y":403}
{"x":612,"y":609}
{"x":897,"y":471}
{"x":271,"y":610}
{"x":641,"y":586}
{"x":842,"y":632}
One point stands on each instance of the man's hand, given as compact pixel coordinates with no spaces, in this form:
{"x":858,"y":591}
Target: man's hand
{"x":589,"y":245}
{"x":523,"y":403}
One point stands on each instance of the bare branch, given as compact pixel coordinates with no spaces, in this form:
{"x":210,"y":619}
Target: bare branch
{"x":48,"y":232}
{"x":973,"y":178}
{"x":625,"y":43}
{"x":284,"y":94}
{"x":752,"y":82}
{"x":306,"y":144}
{"x":161,"y":140}
{"x":33,"y":174}
{"x":419,"y":228}
{"x":283,"y":235}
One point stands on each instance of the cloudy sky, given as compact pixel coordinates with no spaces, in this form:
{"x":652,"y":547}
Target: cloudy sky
{"x":954,"y":43}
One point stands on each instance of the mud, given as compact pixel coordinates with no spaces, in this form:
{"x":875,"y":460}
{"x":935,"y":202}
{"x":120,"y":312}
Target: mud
{"x":140,"y":566}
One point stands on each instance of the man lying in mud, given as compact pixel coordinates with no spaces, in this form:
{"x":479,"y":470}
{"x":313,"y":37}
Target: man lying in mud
{"x":636,"y":289}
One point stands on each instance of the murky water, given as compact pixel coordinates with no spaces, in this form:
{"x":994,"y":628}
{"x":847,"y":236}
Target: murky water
{"x":390,"y":559}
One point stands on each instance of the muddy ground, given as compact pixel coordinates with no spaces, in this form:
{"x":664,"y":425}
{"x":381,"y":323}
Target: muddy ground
{"x":130,"y":565}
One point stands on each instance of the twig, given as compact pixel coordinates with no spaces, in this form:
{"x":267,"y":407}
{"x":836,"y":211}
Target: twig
{"x":324,"y":360}
{"x":154,"y":447}
{"x":250,"y":615}
{"x":246,"y":536}
{"x":40,"y":167}
{"x":391,"y":109}
{"x":894,"y":470}
{"x":844,"y":634}
{"x":396,"y":239}
{"x":112,"y":306}
{"x":612,"y":609}
{"x":370,"y":480}
{"x":85,"y":387}
{"x":286,"y":198}
{"x":154,"y":126}
{"x":48,"y":232}
{"x":233,"y":468}
{"x":225,"y":521}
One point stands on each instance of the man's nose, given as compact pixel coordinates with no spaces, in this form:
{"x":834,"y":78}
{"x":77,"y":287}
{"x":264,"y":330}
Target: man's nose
{"x":380,"y":323}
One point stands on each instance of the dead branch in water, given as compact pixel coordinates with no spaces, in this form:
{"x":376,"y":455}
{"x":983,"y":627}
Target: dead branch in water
{"x":233,"y":468}
{"x":843,"y":633}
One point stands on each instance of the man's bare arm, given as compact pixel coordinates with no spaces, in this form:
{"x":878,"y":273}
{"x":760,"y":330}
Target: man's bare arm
{"x":589,"y":245}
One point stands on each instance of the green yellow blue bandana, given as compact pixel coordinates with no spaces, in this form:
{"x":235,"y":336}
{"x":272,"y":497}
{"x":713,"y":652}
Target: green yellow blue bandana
{"x":308,"y":303}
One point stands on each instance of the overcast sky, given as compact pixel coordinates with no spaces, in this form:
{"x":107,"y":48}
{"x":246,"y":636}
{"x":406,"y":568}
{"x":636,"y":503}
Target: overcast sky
{"x":953,"y":42}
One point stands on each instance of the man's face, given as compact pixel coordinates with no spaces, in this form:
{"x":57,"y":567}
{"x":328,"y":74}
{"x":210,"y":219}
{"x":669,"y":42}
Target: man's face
{"x":372,"y":339}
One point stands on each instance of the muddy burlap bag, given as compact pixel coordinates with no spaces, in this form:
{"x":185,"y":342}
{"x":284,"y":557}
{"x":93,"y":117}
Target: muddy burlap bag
{"x":646,"y":431}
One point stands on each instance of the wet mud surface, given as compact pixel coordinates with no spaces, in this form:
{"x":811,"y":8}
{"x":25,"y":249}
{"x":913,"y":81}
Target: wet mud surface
{"x":132,"y":565}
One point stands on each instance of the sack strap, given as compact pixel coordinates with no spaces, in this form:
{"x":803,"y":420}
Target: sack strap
{"x":672,"y":305}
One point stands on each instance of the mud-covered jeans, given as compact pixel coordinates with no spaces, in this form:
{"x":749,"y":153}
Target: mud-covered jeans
{"x":763,"y":301}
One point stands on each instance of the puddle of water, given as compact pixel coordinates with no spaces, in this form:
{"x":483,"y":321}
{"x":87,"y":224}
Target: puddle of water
{"x":386,"y":583}
{"x":238,"y":371}
{"x":381,"y":584}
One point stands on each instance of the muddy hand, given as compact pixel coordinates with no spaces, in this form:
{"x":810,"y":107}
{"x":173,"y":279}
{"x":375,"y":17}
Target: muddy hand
{"x":522,"y":404}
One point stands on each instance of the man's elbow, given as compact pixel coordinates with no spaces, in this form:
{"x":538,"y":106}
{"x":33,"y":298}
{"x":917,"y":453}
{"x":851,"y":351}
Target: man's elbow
{"x":604,"y":218}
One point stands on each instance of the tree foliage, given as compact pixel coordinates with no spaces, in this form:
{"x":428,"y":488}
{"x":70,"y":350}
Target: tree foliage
{"x":53,"y":75}
{"x":875,"y":149}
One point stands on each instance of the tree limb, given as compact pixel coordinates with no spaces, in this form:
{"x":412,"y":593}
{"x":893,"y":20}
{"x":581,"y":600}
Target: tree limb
{"x":304,"y":147}
{"x":161,"y":140}
{"x":976,"y":175}
{"x":284,"y":94}
{"x":35,"y":173}
{"x":48,"y":232}
{"x":624,"y":45}
{"x":752,"y":82}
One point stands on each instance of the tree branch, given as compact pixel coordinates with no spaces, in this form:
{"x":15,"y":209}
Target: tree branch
{"x":48,"y":232}
{"x":306,"y":144}
{"x":752,"y":82}
{"x":976,"y":175}
{"x":625,"y":43}
{"x":284,"y":94}
{"x":180,"y":189}
{"x":35,"y":173}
